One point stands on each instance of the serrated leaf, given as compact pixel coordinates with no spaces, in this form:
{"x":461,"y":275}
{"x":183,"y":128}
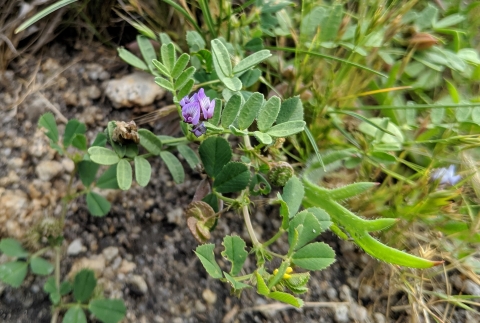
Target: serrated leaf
{"x":268,"y":113}
{"x":249,"y":110}
{"x":207,"y":258}
{"x":108,"y":310}
{"x":83,"y":285}
{"x":233,"y":177}
{"x":75,"y":314}
{"x":286,"y":129}
{"x":180,"y":65}
{"x":222,"y":58}
{"x":147,"y":50}
{"x":97,"y":205}
{"x":186,"y":76}
{"x":322,"y":217}
{"x":143,"y":171}
{"x":231,"y":110}
{"x":262,"y":287}
{"x":13,"y":273}
{"x":163,"y":82}
{"x":236,"y":285}
{"x":48,"y":122}
{"x":290,"y":110}
{"x":168,"y":54}
{"x":131,"y":59}
{"x":124,"y":174}
{"x":215,"y":153}
{"x":293,"y":193}
{"x":150,"y":142}
{"x":314,"y":256}
{"x":108,"y":180}
{"x":263,"y":137}
{"x":284,"y":212}
{"x":310,"y":229}
{"x":103,"y":156}
{"x":286,"y":298}
{"x":189,"y":155}
{"x":40,"y":266}
{"x":72,"y":128}
{"x":252,"y":60}
{"x":174,"y":166}
{"x":235,"y":253}
{"x":12,"y":248}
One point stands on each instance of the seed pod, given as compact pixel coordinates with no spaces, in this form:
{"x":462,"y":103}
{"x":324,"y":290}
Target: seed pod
{"x":422,"y":41}
{"x":280,"y":173}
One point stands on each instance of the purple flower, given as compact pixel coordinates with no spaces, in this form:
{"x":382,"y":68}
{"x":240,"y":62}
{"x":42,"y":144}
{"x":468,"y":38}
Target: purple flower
{"x":191,"y":113}
{"x":199,"y":130}
{"x":446,"y":175}
{"x":207,"y":105}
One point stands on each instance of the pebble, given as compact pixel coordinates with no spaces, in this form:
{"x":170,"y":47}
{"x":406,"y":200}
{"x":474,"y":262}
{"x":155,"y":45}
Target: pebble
{"x":137,"y":284}
{"x":332,"y":294}
{"x":345,"y":293}
{"x":48,"y":169}
{"x":110,"y":253}
{"x":127,"y":267}
{"x":70,"y":98}
{"x":136,"y":89}
{"x":359,"y":313}
{"x":379,"y":317}
{"x":199,"y":306}
{"x":341,"y":314}
{"x":93,"y":92}
{"x":96,"y":263}
{"x":15,"y":163}
{"x":68,"y":165}
{"x":75,"y":247}
{"x":471,"y":288}
{"x":116,"y":263}
{"x":176,"y":216}
{"x":209,"y":296}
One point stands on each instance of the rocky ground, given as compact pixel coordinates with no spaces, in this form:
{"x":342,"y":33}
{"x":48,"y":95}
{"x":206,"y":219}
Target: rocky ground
{"x":142,"y":250}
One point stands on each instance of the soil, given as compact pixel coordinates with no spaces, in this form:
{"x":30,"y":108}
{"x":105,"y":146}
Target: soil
{"x":146,"y":225}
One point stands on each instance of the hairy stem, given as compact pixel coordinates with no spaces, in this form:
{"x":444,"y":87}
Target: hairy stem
{"x":248,"y":223}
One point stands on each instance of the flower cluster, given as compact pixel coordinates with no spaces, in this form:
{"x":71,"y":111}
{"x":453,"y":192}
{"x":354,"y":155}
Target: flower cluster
{"x":196,"y":109}
{"x":446,"y":176}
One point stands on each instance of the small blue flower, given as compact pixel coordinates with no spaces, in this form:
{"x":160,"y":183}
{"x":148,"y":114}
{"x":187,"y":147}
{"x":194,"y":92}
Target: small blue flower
{"x":191,"y":113}
{"x":446,"y":176}
{"x":195,"y":109}
{"x":199,"y":130}
{"x":207,"y":105}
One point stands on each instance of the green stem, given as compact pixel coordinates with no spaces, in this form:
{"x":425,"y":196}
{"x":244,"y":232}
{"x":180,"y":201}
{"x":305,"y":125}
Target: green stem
{"x":226,"y":199}
{"x":274,"y":238}
{"x":248,"y":223}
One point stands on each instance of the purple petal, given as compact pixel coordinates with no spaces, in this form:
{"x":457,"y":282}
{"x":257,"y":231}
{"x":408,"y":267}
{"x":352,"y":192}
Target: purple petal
{"x":199,"y":130}
{"x":208,"y":113}
{"x":191,"y":113}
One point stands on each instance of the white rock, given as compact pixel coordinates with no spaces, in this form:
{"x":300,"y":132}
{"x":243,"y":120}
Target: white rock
{"x":127,"y":267}
{"x":379,"y":317}
{"x":176,"y":216}
{"x":75,"y":247}
{"x":68,"y":164}
{"x":341,"y":314}
{"x":209,"y":296}
{"x":471,"y":288}
{"x":48,"y":169}
{"x":136,"y":89}
{"x":97,"y":264}
{"x":110,"y":253}
{"x":138,"y":284}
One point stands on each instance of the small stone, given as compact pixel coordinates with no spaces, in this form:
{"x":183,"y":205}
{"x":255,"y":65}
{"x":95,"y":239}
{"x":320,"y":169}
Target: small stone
{"x":176,"y":216}
{"x":199,"y":306}
{"x":177,"y":320}
{"x":137,"y":284}
{"x":209,"y":296}
{"x":48,"y":169}
{"x":75,"y":247}
{"x":50,"y":65}
{"x":93,"y":92}
{"x":110,"y":253}
{"x":127,"y":267}
{"x":136,"y":89}
{"x":365,"y":291}
{"x":471,"y":288}
{"x":68,"y":165}
{"x":97,"y":264}
{"x":456,"y":281}
{"x":359,"y":313}
{"x":341,"y":314}
{"x":70,"y":98}
{"x":116,"y":263}
{"x":15,"y":163}
{"x":345,"y":293}
{"x":379,"y":317}
{"x":332,"y":294}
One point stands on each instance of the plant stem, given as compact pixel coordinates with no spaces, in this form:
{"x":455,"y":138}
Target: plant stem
{"x":248,"y":223}
{"x":274,"y":238}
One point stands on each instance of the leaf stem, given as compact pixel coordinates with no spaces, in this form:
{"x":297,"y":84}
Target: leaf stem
{"x":274,"y":238}
{"x":248,"y":223}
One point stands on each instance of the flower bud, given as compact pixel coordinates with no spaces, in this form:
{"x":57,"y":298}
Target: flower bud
{"x":280,"y":173}
{"x":422,"y":41}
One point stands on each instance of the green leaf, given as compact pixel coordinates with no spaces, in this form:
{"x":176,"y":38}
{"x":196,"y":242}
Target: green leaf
{"x":350,"y":190}
{"x":161,"y":68}
{"x":12,"y":248}
{"x":290,"y":110}
{"x":206,"y":256}
{"x":40,"y":266}
{"x":231,"y":110}
{"x":427,"y":17}
{"x":186,"y":89}
{"x":108,"y":310}
{"x":195,"y":41}
{"x":307,"y":226}
{"x":262,"y":288}
{"x":249,"y":110}
{"x":131,"y":149}
{"x":168,"y":54}
{"x":72,"y":128}
{"x":250,"y":77}
{"x":222,"y":58}
{"x":286,"y":129}
{"x":252,"y":60}
{"x":217,"y":113}
{"x":80,"y":141}
{"x":259,"y":185}
{"x":43,"y":13}
{"x":275,"y":279}
{"x":103,"y":156}
{"x":151,"y":142}
{"x":254,"y":44}
{"x":284,"y":212}
{"x":449,"y":21}
{"x":13,"y":273}
{"x":50,"y":288}
{"x":189,"y":155}
{"x":322,"y":217}
{"x":233,"y":83}
{"x":65,"y":288}
{"x":108,"y":180}
{"x":174,"y":166}
{"x":286,"y":298}
{"x":147,"y":50}
{"x":167,"y":85}
{"x":180,"y":65}
{"x":314,"y":256}
{"x":100,"y":140}
{"x":124,"y":174}
{"x":234,"y":177}
{"x":375,"y":124}
{"x":75,"y":314}
{"x":263,"y":137}
{"x":131,"y":59}
{"x":268,"y":113}
{"x":143,"y":171}
{"x":186,"y":76}
{"x":97,"y":205}
{"x":215,"y":152}
{"x":330,"y":25}
{"x":235,"y":253}
{"x":83,"y":285}
{"x":293,"y":193}
{"x":236,"y":285}
{"x":47,"y":121}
